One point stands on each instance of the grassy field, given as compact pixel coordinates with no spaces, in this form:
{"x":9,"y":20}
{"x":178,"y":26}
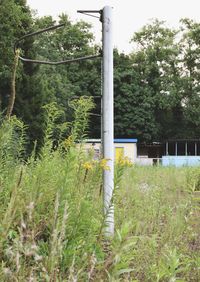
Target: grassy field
{"x":51,"y":222}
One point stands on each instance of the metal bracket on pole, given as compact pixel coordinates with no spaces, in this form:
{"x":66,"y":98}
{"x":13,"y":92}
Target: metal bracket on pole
{"x":90,"y":13}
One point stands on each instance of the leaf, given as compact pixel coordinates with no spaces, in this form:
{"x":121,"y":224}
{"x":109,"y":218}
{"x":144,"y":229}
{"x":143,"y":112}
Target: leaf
{"x":126,"y":270}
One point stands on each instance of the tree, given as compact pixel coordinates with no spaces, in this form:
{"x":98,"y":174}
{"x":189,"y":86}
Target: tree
{"x":133,"y":104}
{"x":75,"y":79}
{"x":15,"y":21}
{"x":39,"y":85}
{"x":190,"y":76}
{"x":157,"y":63}
{"x":156,"y":89}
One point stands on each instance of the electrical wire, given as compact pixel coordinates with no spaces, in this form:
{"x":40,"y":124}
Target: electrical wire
{"x":60,"y":62}
{"x":16,"y":46}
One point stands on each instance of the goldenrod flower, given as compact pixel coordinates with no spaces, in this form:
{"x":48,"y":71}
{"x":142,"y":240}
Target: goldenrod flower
{"x":103,"y":164}
{"x":88,"y":165}
{"x":68,"y":142}
{"x":124,"y":161}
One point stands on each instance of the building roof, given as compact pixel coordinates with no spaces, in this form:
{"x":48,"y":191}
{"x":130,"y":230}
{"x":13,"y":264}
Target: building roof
{"x":125,"y":140}
{"x":118,"y":140}
{"x":182,"y":140}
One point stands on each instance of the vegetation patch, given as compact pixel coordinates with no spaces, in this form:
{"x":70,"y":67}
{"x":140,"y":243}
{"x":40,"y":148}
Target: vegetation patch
{"x":52,"y":223}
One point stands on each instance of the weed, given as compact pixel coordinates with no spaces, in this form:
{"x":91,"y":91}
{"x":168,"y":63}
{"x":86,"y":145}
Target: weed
{"x":51,"y":212}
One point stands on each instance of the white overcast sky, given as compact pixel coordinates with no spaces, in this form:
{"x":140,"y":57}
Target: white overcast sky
{"x":128,"y":15}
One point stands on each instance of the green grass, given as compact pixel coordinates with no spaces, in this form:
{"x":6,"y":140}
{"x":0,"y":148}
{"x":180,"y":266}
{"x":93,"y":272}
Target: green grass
{"x":156,"y":208}
{"x":51,"y":222}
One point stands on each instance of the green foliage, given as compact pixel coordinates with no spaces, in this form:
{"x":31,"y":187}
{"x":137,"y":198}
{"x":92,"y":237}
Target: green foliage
{"x":193,"y":180}
{"x":15,"y":20}
{"x":82,"y":108}
{"x":134,"y":114}
{"x":28,"y":190}
{"x":156,"y":86}
{"x":179,"y":85}
{"x":190,"y":87}
{"x":51,"y":220}
{"x":12,"y":140}
{"x":50,"y":203}
{"x":156,"y":62}
{"x":37,"y":86}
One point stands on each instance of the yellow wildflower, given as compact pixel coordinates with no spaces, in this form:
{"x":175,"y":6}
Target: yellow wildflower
{"x":103,"y":164}
{"x":125,"y":161}
{"x":68,"y":142}
{"x":88,"y":165}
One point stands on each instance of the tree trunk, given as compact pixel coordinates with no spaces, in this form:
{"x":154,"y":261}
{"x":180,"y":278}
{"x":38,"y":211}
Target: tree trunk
{"x":13,"y":90}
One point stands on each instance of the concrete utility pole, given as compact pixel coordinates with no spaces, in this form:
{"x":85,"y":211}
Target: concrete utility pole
{"x":108,"y":132}
{"x":107,"y":103}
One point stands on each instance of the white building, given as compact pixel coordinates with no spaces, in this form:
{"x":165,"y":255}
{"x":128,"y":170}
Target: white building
{"x":123,"y":148}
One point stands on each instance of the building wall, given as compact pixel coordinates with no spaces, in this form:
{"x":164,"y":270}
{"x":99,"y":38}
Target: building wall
{"x":179,"y":161}
{"x":143,"y":161}
{"x":130,"y":149}
{"x":94,"y":148}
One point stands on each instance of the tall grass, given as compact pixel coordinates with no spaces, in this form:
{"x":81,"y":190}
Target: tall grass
{"x":51,"y":213}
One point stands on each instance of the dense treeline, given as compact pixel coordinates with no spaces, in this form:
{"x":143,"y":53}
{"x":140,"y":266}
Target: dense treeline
{"x":156,"y":86}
